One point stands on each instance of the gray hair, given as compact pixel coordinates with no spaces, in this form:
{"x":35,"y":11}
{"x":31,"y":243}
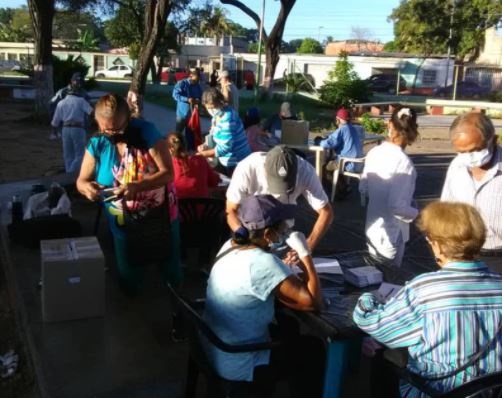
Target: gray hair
{"x":482,"y":123}
{"x":213,"y":97}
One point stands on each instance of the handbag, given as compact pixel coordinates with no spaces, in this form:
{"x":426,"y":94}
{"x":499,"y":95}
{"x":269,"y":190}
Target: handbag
{"x":147,"y":223}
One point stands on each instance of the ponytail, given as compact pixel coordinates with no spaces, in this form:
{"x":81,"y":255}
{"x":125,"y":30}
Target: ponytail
{"x":404,"y":121}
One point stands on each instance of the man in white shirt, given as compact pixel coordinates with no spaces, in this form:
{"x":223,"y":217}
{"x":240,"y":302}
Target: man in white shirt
{"x":229,"y":90}
{"x":72,"y":113}
{"x":286,"y":176}
{"x":475,"y":177}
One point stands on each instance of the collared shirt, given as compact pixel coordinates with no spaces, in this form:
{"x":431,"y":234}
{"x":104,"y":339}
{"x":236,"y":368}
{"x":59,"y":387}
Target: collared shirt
{"x":182,"y":91}
{"x":229,"y":136}
{"x":443,"y":318}
{"x":346,"y":142}
{"x":249,"y":179}
{"x":388,"y":180}
{"x":485,"y":195}
{"x":71,"y":109}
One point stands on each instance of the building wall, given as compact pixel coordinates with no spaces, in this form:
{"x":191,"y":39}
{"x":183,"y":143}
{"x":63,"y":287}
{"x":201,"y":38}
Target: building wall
{"x":492,"y":49}
{"x":334,"y":48}
{"x":319,"y":66}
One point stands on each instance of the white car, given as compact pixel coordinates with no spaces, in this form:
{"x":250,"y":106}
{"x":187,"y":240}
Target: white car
{"x":116,"y":71}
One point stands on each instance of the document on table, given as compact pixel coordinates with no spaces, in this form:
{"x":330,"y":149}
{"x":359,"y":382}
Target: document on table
{"x":386,"y":291}
{"x":324,"y":265}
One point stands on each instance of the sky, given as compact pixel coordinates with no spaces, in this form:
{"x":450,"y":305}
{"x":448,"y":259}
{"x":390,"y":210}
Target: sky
{"x":314,"y":18}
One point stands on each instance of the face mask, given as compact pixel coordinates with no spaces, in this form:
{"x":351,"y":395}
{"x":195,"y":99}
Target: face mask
{"x":475,"y":159}
{"x":276,"y":246}
{"x":213,"y":111}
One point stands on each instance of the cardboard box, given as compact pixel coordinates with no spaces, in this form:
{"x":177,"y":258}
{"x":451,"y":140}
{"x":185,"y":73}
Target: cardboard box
{"x":73,"y":279}
{"x":363,"y":276}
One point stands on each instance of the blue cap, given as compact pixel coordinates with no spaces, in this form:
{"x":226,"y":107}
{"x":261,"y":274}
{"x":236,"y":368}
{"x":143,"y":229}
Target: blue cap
{"x":262,"y":211}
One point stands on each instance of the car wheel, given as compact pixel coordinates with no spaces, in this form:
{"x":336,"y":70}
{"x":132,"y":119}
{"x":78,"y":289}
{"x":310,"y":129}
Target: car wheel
{"x":100,"y":75}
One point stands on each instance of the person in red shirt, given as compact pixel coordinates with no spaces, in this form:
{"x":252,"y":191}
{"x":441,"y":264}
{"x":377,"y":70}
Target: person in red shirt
{"x":193,"y":176}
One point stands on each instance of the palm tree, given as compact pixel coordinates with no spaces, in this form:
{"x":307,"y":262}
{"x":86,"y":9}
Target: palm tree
{"x":216,"y":23}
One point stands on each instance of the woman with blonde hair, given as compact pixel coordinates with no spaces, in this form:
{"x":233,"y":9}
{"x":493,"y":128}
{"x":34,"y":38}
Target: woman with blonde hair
{"x":388,"y":181}
{"x":449,"y":320}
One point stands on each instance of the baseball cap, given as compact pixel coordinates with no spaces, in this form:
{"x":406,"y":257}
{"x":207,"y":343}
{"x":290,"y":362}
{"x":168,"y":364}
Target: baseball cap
{"x":262,"y":211}
{"x":224,"y":74}
{"x":281,"y":165}
{"x":343,"y":114}
{"x":286,"y":109}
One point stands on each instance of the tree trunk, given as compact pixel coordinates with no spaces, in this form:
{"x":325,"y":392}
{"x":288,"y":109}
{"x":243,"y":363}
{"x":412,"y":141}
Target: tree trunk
{"x":42,"y":13}
{"x":156,"y":12}
{"x":272,"y":41}
{"x":153,"y":72}
{"x":162,"y":62}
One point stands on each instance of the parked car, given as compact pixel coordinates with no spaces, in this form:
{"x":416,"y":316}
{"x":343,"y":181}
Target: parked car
{"x":116,"y":71}
{"x":173,"y":75}
{"x":465,"y":89}
{"x":385,"y":83}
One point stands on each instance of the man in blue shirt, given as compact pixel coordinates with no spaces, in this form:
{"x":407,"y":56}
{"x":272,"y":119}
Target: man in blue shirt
{"x":345,"y":141}
{"x":187,"y":94}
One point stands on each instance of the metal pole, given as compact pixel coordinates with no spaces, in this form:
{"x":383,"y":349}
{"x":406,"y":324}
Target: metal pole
{"x":319,"y":33}
{"x":258,"y":74}
{"x":456,"y":67}
{"x":449,"y":44}
{"x":398,"y":78}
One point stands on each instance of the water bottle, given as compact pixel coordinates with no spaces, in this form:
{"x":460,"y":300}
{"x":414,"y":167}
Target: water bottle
{"x":17,"y":209}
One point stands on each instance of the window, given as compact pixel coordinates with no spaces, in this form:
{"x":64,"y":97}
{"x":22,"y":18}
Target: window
{"x":124,"y":68}
{"x":12,"y":57}
{"x":114,"y":68}
{"x":99,"y":62}
{"x":2,"y":56}
{"x":429,"y":77}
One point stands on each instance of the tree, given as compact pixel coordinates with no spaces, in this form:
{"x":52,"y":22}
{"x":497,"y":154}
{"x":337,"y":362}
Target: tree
{"x":215,"y":24}
{"x":272,"y":41}
{"x":361,"y":36}
{"x":42,"y":14}
{"x":344,"y":87}
{"x":86,"y":41}
{"x":15,"y":25}
{"x":422,"y":27}
{"x":295,"y":44}
{"x":69,"y":25}
{"x":310,"y":46}
{"x":391,"y":46}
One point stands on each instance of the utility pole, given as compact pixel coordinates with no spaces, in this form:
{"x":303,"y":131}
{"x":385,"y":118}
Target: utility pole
{"x":258,"y":74}
{"x":319,"y":33}
{"x":449,"y":43}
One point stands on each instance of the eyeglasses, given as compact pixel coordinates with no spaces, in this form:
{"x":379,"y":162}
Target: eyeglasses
{"x":120,"y":130}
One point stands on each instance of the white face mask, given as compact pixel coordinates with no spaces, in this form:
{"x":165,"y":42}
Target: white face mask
{"x":475,"y":159}
{"x":213,"y":111}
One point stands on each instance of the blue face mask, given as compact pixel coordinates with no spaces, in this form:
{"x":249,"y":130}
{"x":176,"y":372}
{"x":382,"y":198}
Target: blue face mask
{"x":276,"y":246}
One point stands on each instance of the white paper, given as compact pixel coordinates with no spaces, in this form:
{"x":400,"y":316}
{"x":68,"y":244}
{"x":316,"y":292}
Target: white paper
{"x":386,"y":291}
{"x":323,"y":265}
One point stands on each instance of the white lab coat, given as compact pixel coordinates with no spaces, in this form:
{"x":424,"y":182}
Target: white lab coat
{"x":388,"y":180}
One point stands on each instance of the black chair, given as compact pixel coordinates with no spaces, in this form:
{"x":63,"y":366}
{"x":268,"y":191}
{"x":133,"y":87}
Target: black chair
{"x":478,"y":387}
{"x":198,"y":361}
{"x":203,"y":226}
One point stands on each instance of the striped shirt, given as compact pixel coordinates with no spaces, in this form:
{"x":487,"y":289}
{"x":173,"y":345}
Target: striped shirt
{"x":485,"y":196}
{"x":230,"y":138}
{"x":444,"y":318}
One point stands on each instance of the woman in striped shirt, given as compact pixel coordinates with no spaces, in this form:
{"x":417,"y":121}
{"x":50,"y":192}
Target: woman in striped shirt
{"x":446,"y":317}
{"x":227,"y":132}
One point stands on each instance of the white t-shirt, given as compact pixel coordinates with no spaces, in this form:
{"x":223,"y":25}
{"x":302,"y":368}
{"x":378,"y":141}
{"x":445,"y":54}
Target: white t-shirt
{"x":249,"y":179}
{"x":240,"y":306}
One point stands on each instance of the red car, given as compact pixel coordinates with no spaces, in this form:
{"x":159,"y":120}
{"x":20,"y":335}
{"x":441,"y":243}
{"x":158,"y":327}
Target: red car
{"x":173,"y":75}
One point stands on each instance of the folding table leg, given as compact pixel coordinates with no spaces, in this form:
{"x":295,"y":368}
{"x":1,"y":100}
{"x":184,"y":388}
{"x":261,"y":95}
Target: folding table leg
{"x":340,"y":355}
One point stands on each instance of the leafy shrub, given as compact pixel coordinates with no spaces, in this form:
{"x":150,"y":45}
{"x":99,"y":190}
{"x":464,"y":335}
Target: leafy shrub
{"x":495,"y":96}
{"x":65,"y":68}
{"x":296,"y":82}
{"x":373,"y":125}
{"x":344,"y":86}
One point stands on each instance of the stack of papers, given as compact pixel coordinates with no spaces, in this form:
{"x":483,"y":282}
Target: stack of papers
{"x":363,"y":276}
{"x":323,"y":265}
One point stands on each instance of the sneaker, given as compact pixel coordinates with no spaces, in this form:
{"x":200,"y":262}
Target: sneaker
{"x":53,"y":136}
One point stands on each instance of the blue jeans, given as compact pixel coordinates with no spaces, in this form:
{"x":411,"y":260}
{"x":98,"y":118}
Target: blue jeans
{"x":73,"y":148}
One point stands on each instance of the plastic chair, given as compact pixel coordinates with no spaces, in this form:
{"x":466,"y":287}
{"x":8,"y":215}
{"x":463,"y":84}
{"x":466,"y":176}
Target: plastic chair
{"x":198,"y":361}
{"x":340,"y":171}
{"x":480,"y":385}
{"x":203,"y":226}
